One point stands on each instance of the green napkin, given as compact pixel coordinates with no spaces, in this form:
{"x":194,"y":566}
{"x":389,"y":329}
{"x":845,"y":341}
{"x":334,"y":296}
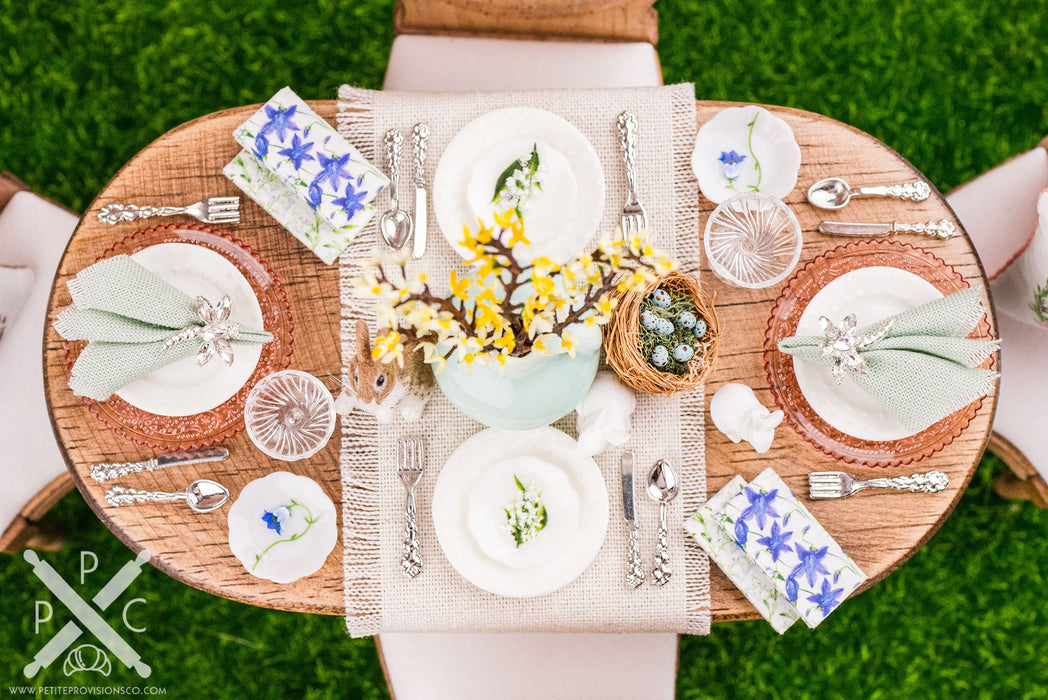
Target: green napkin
{"x":924,"y":367}
{"x":126,"y":313}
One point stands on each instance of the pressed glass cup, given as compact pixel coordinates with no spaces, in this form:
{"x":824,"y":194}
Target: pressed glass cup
{"x":290,"y":415}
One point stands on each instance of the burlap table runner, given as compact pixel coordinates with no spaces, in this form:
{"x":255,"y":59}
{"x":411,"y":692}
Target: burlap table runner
{"x":378,"y":596}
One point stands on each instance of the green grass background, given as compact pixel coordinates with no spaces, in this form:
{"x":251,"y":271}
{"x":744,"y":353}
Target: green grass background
{"x":954,"y":86}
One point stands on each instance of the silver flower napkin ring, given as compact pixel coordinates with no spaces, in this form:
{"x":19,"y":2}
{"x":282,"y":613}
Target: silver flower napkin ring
{"x":214,"y":334}
{"x":843,"y":343}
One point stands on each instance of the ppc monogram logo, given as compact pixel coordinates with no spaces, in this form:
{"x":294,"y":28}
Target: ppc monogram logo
{"x":86,"y":614}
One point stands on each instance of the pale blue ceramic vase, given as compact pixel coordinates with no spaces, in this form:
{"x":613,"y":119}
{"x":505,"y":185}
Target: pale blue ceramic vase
{"x":530,"y":391}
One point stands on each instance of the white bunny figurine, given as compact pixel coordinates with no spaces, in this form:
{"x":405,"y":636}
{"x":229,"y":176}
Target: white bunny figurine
{"x":738,"y":414}
{"x":603,"y":418}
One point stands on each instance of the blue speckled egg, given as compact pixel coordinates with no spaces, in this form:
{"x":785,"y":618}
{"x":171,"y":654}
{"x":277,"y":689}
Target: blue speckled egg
{"x":660,"y":356}
{"x":686,"y":319}
{"x":661,"y":298}
{"x":683,"y":353}
{"x":700,"y":329}
{"x":649,"y":320}
{"x":664,"y":327}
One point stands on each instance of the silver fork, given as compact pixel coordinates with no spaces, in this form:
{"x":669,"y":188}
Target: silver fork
{"x":841,"y":485}
{"x":409,"y":468}
{"x":216,"y":210}
{"x":634,"y":218}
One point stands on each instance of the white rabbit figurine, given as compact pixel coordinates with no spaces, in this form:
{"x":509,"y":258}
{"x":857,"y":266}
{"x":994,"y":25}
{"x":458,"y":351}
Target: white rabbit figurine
{"x":382,"y":389}
{"x":603,"y":418}
{"x":738,"y":414}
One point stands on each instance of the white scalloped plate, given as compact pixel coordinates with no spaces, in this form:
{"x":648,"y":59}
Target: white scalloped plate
{"x":561,"y":220}
{"x":768,"y":142}
{"x":263,"y":551}
{"x":182,"y":388}
{"x":477,"y":482}
{"x":872,"y":294}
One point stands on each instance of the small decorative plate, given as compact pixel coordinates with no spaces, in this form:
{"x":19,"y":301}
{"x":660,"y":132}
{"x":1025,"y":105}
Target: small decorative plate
{"x":526,"y":158}
{"x":745,"y":149}
{"x":182,"y":406}
{"x":520,"y":513}
{"x":282,"y":527}
{"x":874,"y":280}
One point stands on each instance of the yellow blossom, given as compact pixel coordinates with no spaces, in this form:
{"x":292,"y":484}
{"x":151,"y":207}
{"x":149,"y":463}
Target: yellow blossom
{"x":459,"y":287}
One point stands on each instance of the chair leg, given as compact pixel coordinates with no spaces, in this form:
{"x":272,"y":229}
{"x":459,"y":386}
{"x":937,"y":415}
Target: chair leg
{"x":23,"y":534}
{"x":1022,"y":482}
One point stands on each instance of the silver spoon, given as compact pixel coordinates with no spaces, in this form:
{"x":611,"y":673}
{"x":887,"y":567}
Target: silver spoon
{"x":834,"y":193}
{"x":663,"y":487}
{"x":395,"y":225}
{"x":203,"y":496}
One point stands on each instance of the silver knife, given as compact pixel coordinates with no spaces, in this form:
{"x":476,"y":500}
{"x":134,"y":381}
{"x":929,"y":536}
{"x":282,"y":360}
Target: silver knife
{"x":107,"y":471}
{"x":420,"y":136}
{"x":634,"y":571}
{"x":942,"y":228}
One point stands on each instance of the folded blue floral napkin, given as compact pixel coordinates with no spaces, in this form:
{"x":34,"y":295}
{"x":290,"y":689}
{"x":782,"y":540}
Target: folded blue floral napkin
{"x":289,"y":148}
{"x":795,"y":552}
{"x":740,"y":569}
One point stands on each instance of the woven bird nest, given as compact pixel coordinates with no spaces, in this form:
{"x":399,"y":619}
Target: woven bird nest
{"x":622,"y":338}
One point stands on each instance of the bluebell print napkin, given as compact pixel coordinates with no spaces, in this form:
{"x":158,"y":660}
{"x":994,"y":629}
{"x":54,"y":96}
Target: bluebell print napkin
{"x":747,"y":576}
{"x":796,"y":553}
{"x":305,"y":174}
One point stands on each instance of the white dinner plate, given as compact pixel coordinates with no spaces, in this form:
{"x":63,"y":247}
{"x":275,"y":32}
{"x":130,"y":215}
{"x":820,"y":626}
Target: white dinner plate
{"x":182,"y":388}
{"x":476,"y":485}
{"x":872,"y":294}
{"x":560,"y":220}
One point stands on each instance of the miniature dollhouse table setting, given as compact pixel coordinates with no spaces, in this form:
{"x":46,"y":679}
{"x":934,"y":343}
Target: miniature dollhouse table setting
{"x":295,"y":296}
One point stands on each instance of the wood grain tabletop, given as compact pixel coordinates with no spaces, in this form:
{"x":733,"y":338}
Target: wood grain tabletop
{"x":185,"y":165}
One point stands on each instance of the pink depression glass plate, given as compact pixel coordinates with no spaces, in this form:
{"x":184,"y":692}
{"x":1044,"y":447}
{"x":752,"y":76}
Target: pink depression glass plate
{"x":227,"y":419}
{"x":789,"y":307}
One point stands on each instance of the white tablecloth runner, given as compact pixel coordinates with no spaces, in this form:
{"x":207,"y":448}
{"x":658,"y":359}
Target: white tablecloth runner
{"x":379,"y":598}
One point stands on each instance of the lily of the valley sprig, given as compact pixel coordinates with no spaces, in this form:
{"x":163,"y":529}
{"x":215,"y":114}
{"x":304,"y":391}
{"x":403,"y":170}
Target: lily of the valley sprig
{"x":503,"y":308}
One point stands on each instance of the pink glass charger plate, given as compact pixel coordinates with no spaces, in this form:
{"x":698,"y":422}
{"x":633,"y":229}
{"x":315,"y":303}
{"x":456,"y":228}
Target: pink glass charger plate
{"x":796,"y":295}
{"x":227,"y":419}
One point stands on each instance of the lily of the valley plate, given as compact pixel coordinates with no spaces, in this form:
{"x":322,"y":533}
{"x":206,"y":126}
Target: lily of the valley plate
{"x":182,"y":406}
{"x":479,"y":482}
{"x":282,"y":527}
{"x":560,"y":219}
{"x":873,"y":280}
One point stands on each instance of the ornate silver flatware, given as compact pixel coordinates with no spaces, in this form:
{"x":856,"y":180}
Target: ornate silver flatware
{"x":420,"y":137}
{"x":395,"y":224}
{"x":634,"y":218}
{"x":634,"y":570}
{"x":216,"y":210}
{"x":203,"y":496}
{"x":942,"y":228}
{"x":841,"y":485}
{"x":834,"y":193}
{"x":107,"y":471}
{"x":409,"y":467}
{"x":663,"y":487}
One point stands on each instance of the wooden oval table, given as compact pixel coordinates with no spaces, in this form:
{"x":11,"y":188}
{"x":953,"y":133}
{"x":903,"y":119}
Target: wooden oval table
{"x":185,"y":165}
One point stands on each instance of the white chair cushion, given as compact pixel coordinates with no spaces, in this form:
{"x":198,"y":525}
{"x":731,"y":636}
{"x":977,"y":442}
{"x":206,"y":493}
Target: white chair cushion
{"x":1023,"y":401}
{"x":998,"y":208}
{"x":15,"y":283}
{"x":33,"y":234}
{"x":507,"y":666}
{"x":444,"y":63}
